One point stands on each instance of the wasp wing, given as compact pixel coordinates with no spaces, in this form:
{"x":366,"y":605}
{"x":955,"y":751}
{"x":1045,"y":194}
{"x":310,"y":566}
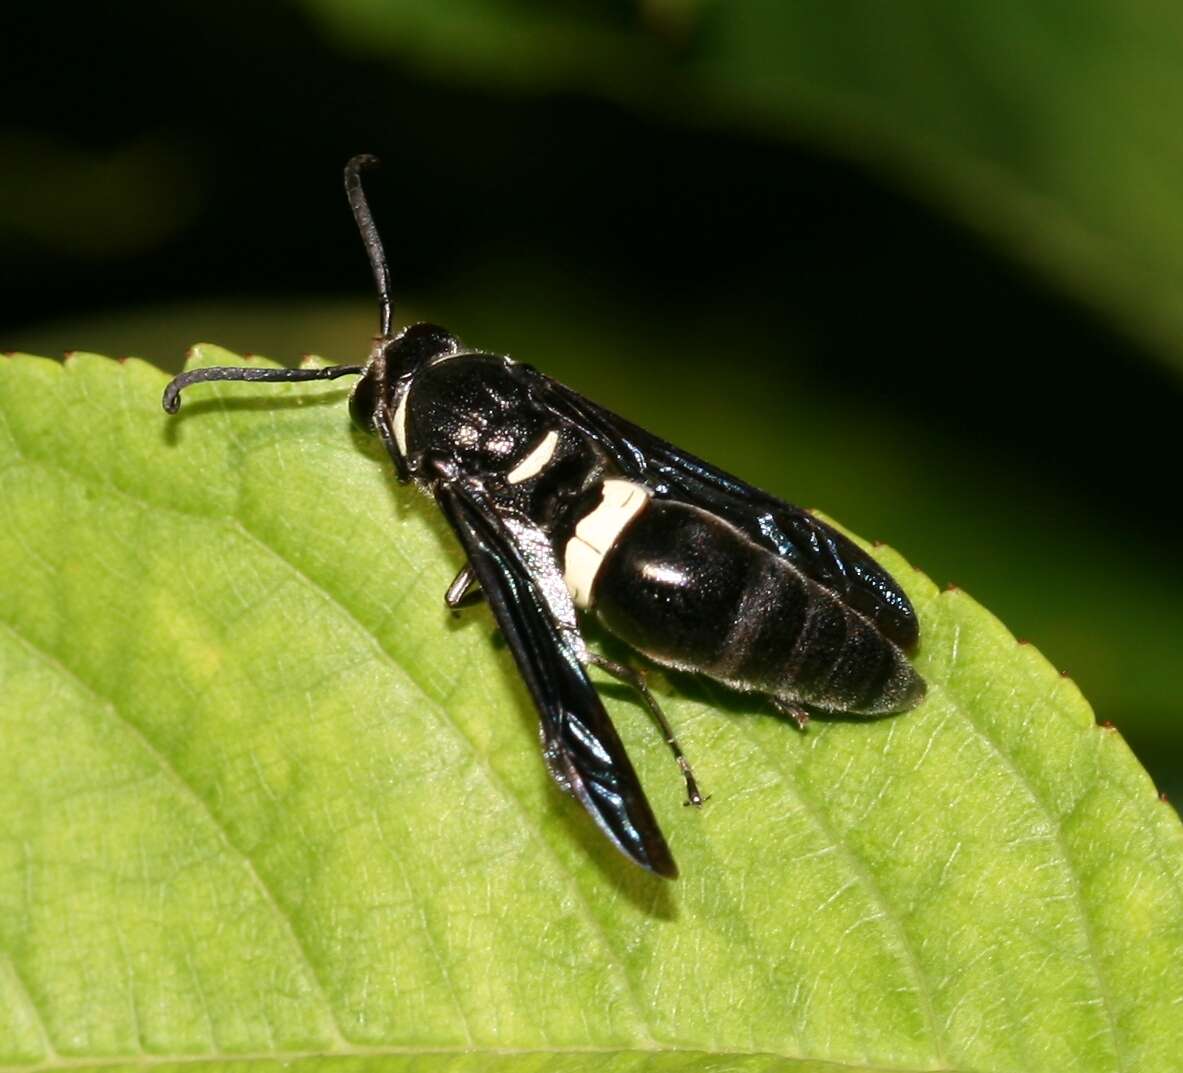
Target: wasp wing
{"x":816,"y":549}
{"x":518,"y":575}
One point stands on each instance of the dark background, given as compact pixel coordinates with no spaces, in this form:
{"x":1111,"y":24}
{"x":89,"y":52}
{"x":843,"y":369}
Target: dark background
{"x":732,"y":267}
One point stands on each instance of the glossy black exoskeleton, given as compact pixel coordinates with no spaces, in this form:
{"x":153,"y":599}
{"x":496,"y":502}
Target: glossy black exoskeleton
{"x":562,"y":506}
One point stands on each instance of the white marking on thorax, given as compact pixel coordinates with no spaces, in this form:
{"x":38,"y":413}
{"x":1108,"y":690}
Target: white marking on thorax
{"x":534,"y":462}
{"x":400,"y":422}
{"x":596,"y":534}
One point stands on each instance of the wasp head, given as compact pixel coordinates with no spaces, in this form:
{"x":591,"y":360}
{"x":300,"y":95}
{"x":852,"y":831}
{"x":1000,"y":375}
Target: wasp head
{"x":393,"y":366}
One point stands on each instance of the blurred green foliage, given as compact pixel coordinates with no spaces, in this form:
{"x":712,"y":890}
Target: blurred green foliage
{"x":919,"y":266}
{"x":1050,"y":128}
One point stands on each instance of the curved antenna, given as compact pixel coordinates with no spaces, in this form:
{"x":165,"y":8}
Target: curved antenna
{"x":172,"y":394}
{"x":369,"y":235}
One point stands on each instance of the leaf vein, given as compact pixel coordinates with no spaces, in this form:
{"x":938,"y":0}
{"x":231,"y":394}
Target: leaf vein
{"x":27,"y":997}
{"x":861,"y":875}
{"x":1074,"y":887}
{"x":444,"y":718}
{"x":187,"y":792}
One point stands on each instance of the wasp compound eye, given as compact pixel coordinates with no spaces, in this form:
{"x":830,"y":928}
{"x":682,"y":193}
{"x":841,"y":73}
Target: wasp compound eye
{"x":363,"y":400}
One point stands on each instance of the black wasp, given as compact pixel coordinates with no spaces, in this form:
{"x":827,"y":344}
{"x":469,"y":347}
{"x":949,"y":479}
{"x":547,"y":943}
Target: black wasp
{"x":561,"y":506}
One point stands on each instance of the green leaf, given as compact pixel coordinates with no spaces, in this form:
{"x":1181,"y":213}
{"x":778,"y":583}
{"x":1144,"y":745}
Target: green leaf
{"x":1051,"y":128}
{"x":265,"y":801}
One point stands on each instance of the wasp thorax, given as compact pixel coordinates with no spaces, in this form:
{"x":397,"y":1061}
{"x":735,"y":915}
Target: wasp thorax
{"x":472,"y":410}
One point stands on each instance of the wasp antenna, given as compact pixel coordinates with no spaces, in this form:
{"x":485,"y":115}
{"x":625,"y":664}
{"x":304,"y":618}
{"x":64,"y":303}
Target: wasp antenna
{"x":369,"y":236}
{"x":172,"y":394}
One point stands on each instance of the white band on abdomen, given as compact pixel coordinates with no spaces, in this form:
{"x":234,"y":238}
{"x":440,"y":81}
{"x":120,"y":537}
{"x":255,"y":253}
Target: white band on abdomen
{"x":597,"y":533}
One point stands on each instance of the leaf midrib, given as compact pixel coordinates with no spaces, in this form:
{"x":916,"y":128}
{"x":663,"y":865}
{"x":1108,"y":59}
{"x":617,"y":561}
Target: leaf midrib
{"x":148,"y":1061}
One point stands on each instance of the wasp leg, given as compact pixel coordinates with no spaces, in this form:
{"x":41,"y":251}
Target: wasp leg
{"x":632,"y":677}
{"x":794,"y":711}
{"x":463,"y":589}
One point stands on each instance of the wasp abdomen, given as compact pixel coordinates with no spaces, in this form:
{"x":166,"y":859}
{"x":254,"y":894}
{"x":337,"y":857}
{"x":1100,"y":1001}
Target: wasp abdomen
{"x":690,"y":590}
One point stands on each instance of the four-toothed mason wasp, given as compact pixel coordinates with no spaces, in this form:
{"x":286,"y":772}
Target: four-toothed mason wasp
{"x":561,"y":507}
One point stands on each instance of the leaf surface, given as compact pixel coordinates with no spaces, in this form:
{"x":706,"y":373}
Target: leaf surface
{"x":265,"y":801}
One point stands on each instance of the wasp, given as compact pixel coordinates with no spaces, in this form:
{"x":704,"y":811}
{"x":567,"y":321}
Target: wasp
{"x":563,"y":508}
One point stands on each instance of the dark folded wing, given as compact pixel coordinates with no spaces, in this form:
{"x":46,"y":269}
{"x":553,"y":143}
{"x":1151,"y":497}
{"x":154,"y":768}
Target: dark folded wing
{"x":581,"y":746}
{"x":816,"y":549}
